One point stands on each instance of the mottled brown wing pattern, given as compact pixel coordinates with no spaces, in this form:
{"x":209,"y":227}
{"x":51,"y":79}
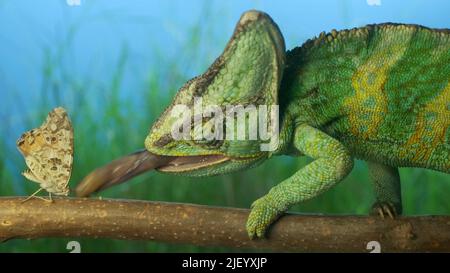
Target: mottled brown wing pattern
{"x":48,"y":152}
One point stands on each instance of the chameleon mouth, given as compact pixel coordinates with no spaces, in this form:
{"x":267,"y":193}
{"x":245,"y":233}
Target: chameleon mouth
{"x":127,"y":167}
{"x":190,"y":163}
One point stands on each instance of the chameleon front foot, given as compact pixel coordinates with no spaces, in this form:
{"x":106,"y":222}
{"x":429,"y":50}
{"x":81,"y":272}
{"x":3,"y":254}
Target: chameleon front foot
{"x":261,"y":216}
{"x":385,"y":209}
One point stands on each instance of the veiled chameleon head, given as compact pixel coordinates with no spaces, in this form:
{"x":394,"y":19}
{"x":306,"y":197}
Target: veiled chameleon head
{"x":228,"y":115}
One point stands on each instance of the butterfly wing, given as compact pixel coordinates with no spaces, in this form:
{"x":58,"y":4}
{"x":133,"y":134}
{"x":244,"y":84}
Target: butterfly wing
{"x":58,"y":132}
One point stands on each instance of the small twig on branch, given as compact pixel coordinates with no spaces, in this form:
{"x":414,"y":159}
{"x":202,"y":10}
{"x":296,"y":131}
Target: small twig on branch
{"x":214,"y":226}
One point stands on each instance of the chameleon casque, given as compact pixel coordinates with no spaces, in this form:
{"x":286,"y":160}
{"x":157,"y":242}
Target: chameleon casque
{"x":380,"y":93}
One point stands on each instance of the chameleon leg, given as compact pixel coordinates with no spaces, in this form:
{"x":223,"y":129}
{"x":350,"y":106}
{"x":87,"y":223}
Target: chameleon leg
{"x":332,"y":163}
{"x":386,"y":181}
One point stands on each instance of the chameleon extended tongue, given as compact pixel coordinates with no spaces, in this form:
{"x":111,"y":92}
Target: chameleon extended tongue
{"x":120,"y":170}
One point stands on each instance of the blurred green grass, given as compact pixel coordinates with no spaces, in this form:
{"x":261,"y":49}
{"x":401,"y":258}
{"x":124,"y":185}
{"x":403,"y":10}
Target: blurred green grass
{"x":108,"y":125}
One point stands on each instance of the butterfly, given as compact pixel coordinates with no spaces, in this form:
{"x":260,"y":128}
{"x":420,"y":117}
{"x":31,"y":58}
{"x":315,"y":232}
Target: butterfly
{"x":48,"y":153}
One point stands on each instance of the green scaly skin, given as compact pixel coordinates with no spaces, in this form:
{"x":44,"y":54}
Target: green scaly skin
{"x":380,"y":93}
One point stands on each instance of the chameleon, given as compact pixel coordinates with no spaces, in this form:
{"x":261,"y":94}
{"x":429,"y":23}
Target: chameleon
{"x":379,"y":93}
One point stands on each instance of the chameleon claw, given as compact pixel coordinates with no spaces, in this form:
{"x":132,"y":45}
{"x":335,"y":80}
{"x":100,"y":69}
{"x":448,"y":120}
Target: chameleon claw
{"x":380,"y":213}
{"x":384,"y":209}
{"x":389,"y":211}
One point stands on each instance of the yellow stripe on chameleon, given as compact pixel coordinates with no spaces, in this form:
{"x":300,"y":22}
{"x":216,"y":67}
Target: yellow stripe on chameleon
{"x":431,"y":126}
{"x":367,"y":108}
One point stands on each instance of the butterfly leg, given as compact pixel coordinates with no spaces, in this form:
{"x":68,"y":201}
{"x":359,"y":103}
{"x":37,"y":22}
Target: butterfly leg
{"x":33,"y":195}
{"x":38,"y":197}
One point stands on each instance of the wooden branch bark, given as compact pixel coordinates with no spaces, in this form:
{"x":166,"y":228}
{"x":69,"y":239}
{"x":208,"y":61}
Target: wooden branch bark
{"x":214,"y":226}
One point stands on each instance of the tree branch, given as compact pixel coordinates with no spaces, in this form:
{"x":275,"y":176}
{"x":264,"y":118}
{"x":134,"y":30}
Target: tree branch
{"x":214,"y":226}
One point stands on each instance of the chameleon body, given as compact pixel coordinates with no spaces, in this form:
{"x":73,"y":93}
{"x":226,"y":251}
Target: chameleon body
{"x":380,"y":93}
